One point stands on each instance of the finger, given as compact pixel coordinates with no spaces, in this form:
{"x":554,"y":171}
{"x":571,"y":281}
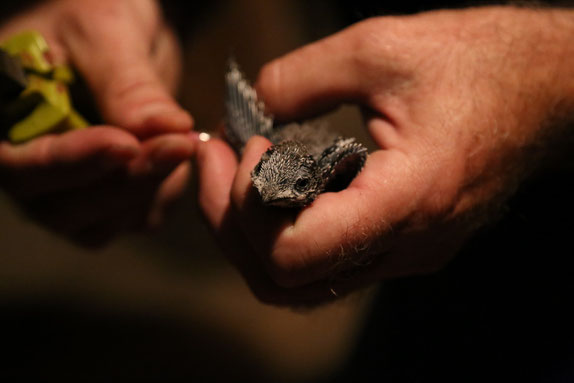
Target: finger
{"x":126,"y":198}
{"x":265,"y":288}
{"x":161,"y":155}
{"x":260,"y":224}
{"x":69,"y":148}
{"x":58,"y":162}
{"x":338,"y":229}
{"x":77,"y":208}
{"x":317,"y":77}
{"x":154,"y":180}
{"x":128,"y":91}
{"x":216,"y":165}
{"x":243,"y":257}
{"x":169,"y":191}
{"x":166,"y":58}
{"x":363,"y":220}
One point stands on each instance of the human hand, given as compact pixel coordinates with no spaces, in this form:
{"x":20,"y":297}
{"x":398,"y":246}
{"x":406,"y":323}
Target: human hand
{"x":463,"y":106}
{"x":126,"y":53}
{"x":94,"y":183}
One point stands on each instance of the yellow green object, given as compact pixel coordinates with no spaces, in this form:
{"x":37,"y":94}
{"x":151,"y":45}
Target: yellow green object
{"x":44,"y":106}
{"x":63,"y":73}
{"x":32,"y":49}
{"x":53,"y":113}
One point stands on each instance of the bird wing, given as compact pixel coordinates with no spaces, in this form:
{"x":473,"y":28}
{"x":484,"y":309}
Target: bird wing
{"x":245,"y":115}
{"x":341,"y":162}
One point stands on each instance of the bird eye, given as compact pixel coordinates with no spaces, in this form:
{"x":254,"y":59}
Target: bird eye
{"x":302,"y":184}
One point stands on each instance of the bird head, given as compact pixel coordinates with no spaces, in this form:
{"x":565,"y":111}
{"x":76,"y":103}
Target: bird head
{"x":287,"y":176}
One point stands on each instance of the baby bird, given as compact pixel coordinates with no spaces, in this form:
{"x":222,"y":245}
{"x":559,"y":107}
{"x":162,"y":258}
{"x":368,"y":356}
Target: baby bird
{"x":305,"y":159}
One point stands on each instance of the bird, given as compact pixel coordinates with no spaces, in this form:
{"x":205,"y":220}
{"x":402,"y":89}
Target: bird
{"x":306,"y":158}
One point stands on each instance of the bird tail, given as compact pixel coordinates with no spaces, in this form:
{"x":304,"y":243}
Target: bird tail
{"x":245,"y":114}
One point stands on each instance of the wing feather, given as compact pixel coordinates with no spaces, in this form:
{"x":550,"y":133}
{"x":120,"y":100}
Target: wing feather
{"x":245,"y":114}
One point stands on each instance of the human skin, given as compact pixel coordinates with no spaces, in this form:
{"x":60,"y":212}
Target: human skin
{"x":92,"y":184}
{"x":464,"y":106}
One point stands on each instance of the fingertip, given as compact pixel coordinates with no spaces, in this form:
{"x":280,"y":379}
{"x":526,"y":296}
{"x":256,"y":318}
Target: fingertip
{"x":242,"y":194}
{"x":252,"y":153}
{"x":160,"y":119}
{"x":130,"y":94}
{"x":198,"y":137}
{"x":268,"y":85}
{"x":217,"y":165}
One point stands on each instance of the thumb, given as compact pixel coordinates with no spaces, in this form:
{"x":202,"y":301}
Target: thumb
{"x":113,"y":54}
{"x":317,"y":77}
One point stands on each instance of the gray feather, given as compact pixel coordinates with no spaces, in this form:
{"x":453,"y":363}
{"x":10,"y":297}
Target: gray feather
{"x":245,"y":114}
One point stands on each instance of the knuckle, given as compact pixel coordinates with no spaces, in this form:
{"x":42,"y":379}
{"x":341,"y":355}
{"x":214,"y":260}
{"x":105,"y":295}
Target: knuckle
{"x":366,"y":42}
{"x":377,"y":45}
{"x":135,"y":87}
{"x":90,"y":24}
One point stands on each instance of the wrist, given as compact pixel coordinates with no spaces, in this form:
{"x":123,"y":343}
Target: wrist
{"x":562,"y":22}
{"x":535,"y":50}
{"x":556,"y":71}
{"x":548,"y":55}
{"x":532,"y":48}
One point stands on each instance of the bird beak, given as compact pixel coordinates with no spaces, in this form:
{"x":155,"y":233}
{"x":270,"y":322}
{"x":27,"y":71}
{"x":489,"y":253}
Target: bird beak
{"x":267,"y":198}
{"x":279,"y":201}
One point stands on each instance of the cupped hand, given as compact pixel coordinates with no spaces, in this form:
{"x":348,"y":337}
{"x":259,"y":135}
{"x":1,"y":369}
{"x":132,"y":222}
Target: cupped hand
{"x":92,"y":184}
{"x":463,"y":105}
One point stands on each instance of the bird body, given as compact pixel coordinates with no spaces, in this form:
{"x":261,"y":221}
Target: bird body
{"x":305,"y":159}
